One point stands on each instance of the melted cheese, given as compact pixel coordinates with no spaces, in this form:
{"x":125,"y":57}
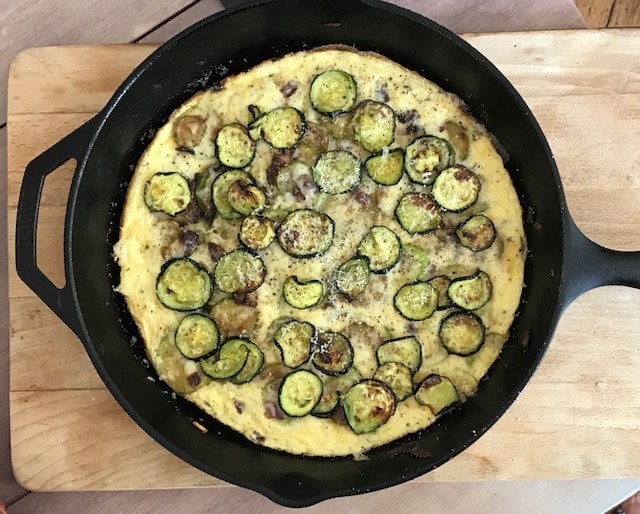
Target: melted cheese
{"x":145,"y":237}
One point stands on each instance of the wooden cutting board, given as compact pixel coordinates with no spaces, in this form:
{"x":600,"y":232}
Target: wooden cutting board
{"x":578,"y":418}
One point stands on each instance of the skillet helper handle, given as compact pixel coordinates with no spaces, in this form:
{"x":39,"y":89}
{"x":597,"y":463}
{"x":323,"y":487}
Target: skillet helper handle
{"x":59,"y":300}
{"x":230,"y":4}
{"x":590,"y":265}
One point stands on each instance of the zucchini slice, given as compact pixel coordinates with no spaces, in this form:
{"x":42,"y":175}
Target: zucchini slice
{"x":220,"y":192}
{"x":441,"y":284}
{"x":188,"y":130}
{"x":228,"y":362}
{"x":385,"y":168}
{"x":426,"y":157}
{"x":382,"y":247}
{"x":438,"y":393}
{"x":333,"y":92}
{"x":477,"y":233}
{"x":294,"y":339}
{"x":456,"y":188}
{"x":183,"y":285}
{"x":472,"y":292}
{"x":414,"y":262}
{"x":461,"y":333}
{"x":196,"y":336}
{"x":416,"y":301}
{"x":327,"y":403}
{"x":352,"y":277}
{"x":234,"y":146}
{"x":418,"y":213}
{"x":253,"y":364}
{"x":281,"y":127}
{"x":257,"y":232}
{"x":246,"y":198}
{"x":337,"y":171}
{"x":334,"y":353}
{"x":306,"y":233}
{"x":302,"y":295}
{"x":374,"y":125}
{"x":168,"y":193}
{"x":239,"y":272}
{"x":398,"y":377}
{"x":368,"y":405}
{"x":406,"y":350}
{"x":300,"y":392}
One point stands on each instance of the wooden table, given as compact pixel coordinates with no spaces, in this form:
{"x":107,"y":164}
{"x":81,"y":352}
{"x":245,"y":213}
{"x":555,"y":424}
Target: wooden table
{"x":523,"y":496}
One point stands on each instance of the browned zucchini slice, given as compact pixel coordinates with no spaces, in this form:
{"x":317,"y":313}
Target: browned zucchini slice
{"x":188,"y":130}
{"x":381,"y":247}
{"x":333,"y":354}
{"x":418,"y":213}
{"x":239,"y":272}
{"x":234,"y":146}
{"x":220,"y":192}
{"x":168,"y":193}
{"x":306,"y":233}
{"x":385,"y":168}
{"x":472,"y":292}
{"x":183,"y":285}
{"x":352,"y":277}
{"x":374,"y":125}
{"x":416,"y":301}
{"x":456,"y":188}
{"x":368,"y":405}
{"x":281,"y":127}
{"x":406,"y":350}
{"x":477,"y":233}
{"x":426,"y":157}
{"x":294,"y":339}
{"x":441,"y":284}
{"x":246,"y":198}
{"x":257,"y":232}
{"x":337,"y":171}
{"x":461,"y":333}
{"x":333,"y":92}
{"x":438,"y":393}
{"x":398,"y":377}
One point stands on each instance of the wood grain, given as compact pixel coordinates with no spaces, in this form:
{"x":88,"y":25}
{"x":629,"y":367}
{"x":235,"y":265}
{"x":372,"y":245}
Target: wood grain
{"x":625,"y":13}
{"x":583,"y":415}
{"x":595,"y":12}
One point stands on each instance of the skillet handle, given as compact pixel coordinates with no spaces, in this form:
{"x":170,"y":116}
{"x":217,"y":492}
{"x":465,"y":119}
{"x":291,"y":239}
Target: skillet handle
{"x":230,"y":4}
{"x":59,"y":300}
{"x":589,"y":265}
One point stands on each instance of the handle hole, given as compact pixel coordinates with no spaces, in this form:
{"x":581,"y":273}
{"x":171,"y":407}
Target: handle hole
{"x":50,"y":229}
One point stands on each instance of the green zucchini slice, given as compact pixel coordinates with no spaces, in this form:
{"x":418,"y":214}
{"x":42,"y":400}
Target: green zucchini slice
{"x":374,"y":125}
{"x":426,"y":157}
{"x":441,"y":284}
{"x":472,"y":292}
{"x":300,"y":392}
{"x":406,"y":350}
{"x":306,"y":233}
{"x":246,"y":198}
{"x":239,"y":272}
{"x":385,"y":168}
{"x":234,"y":146}
{"x":461,"y":333}
{"x":416,"y":301}
{"x":477,"y":233}
{"x":253,"y":364}
{"x":456,"y":188}
{"x":294,"y":339}
{"x":196,"y":336}
{"x":228,"y":362}
{"x":282,"y":127}
{"x":337,"y":171}
{"x":183,"y":285}
{"x":188,"y":130}
{"x":418,"y":213}
{"x":220,"y":192}
{"x":333,"y":354}
{"x":398,"y":377}
{"x":415,"y":262}
{"x":302,"y":295}
{"x":352,"y":277}
{"x":333,"y":92}
{"x":382,"y":247}
{"x":257,"y":232}
{"x":438,"y":393}
{"x":327,"y":403}
{"x":168,"y":193}
{"x":368,"y":405}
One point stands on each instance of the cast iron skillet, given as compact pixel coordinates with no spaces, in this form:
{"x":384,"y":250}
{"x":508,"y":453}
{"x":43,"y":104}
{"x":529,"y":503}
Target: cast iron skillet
{"x":562,"y":263}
